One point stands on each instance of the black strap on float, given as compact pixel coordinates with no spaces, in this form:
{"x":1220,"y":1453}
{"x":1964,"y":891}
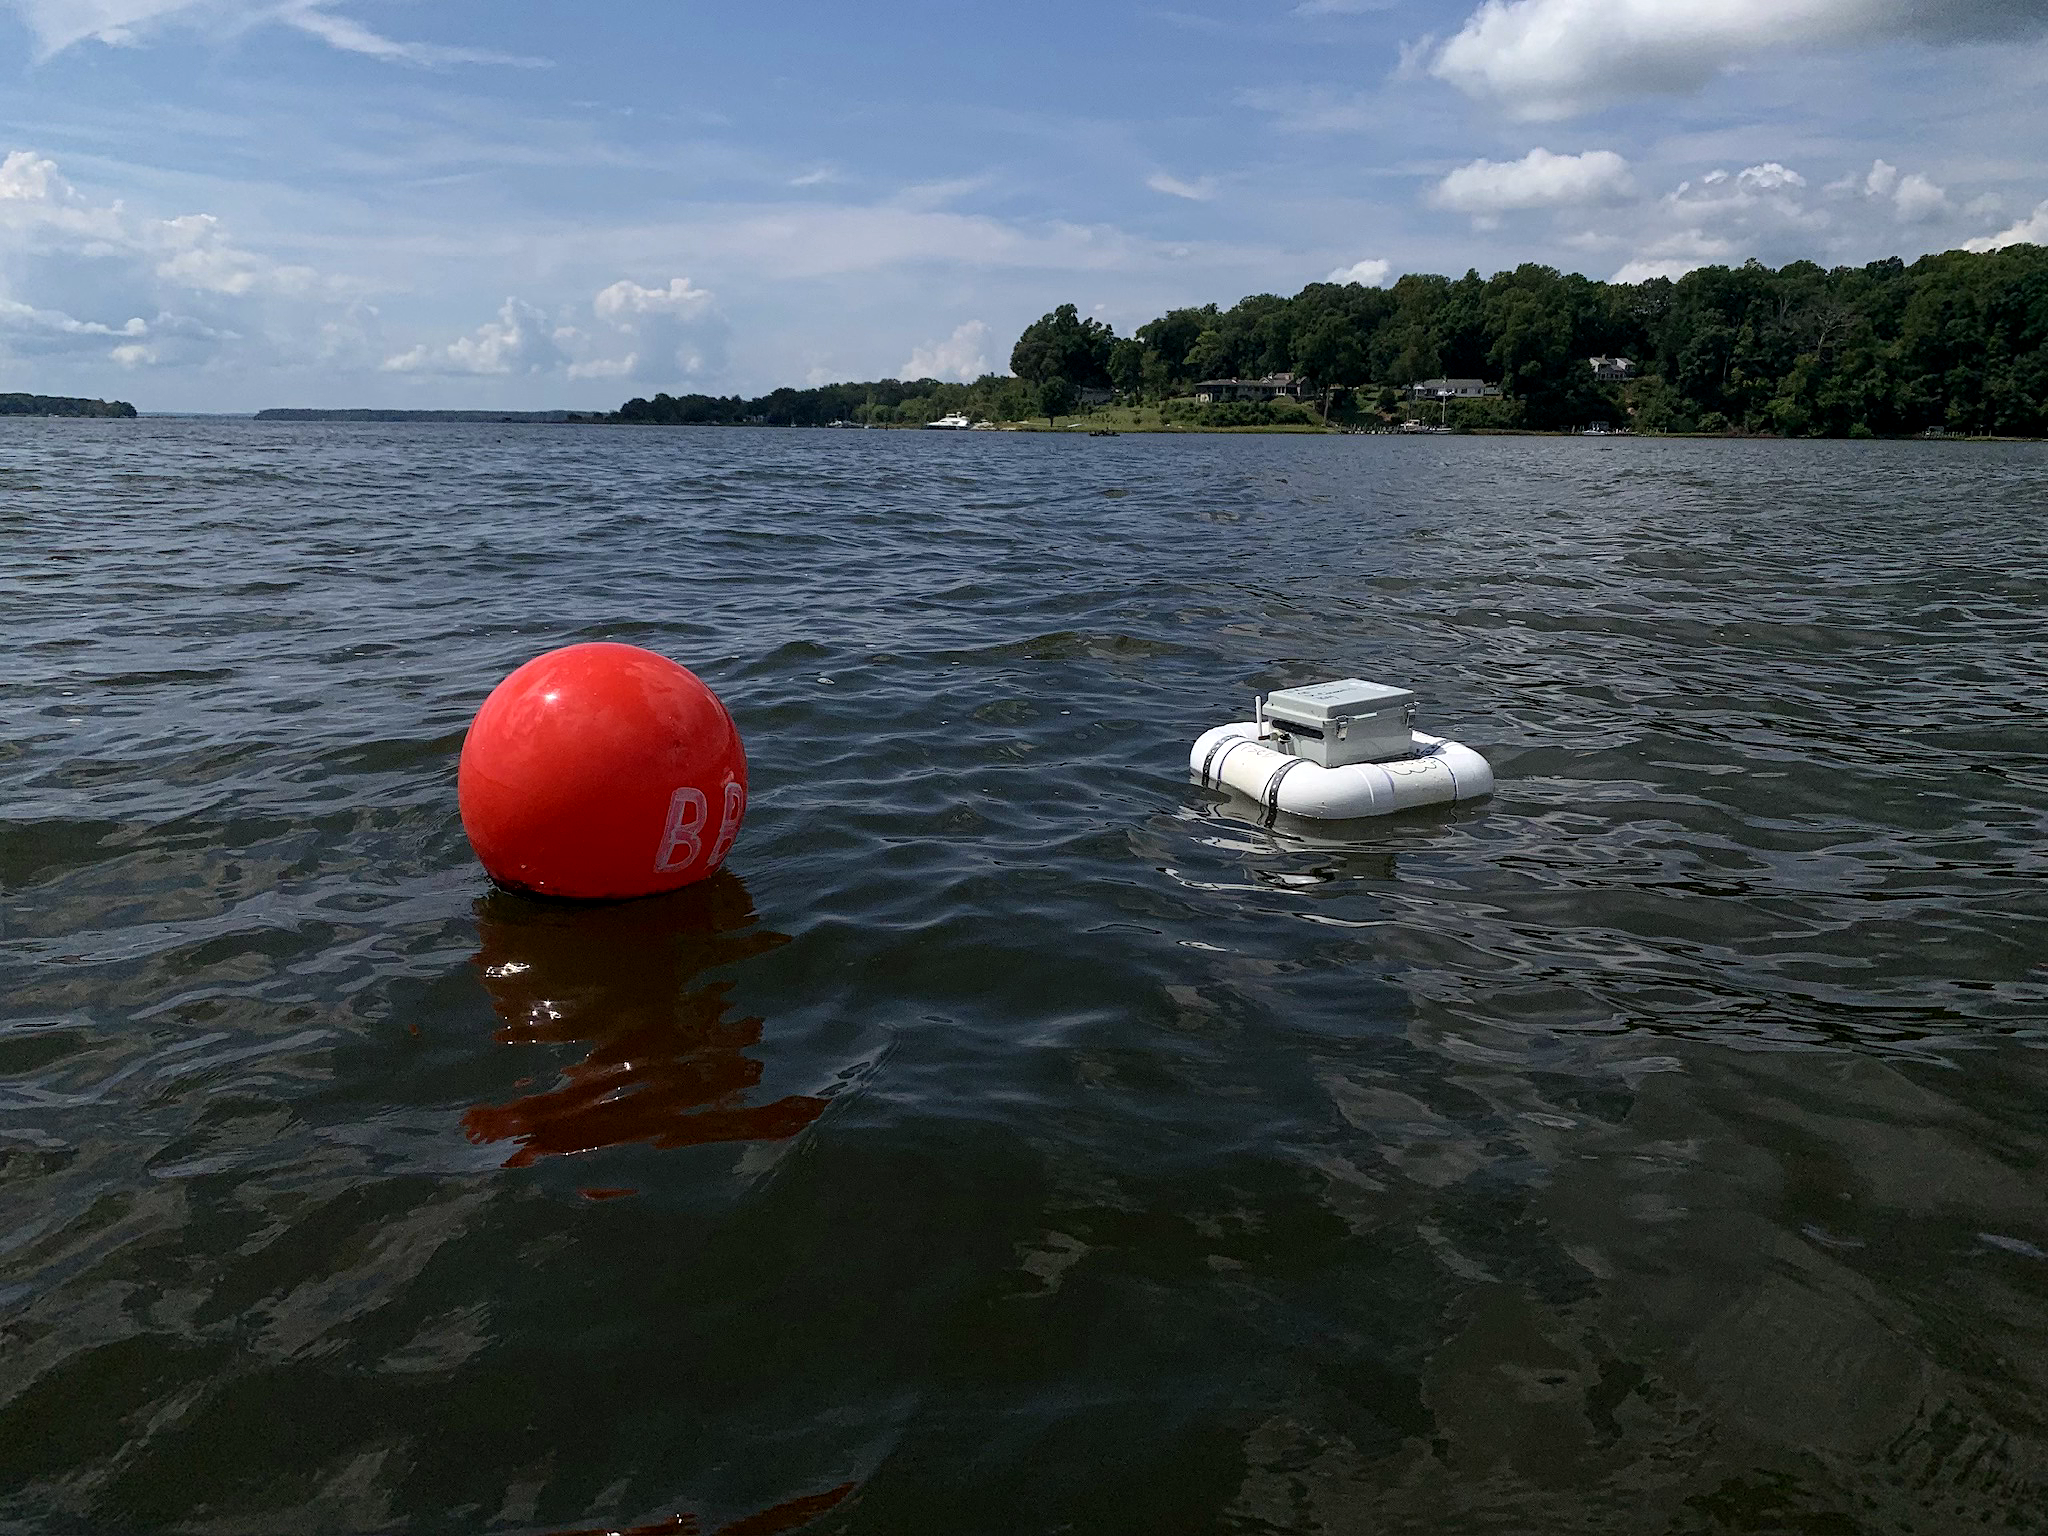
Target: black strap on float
{"x":1228,"y":745}
{"x":1209,"y":761}
{"x":1273,"y":787}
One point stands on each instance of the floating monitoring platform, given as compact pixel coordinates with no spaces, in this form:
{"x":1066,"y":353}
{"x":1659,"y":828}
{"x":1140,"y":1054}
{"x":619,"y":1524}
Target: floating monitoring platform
{"x":1338,"y":752}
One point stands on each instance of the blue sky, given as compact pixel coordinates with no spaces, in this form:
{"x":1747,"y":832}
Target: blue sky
{"x":228,"y":204}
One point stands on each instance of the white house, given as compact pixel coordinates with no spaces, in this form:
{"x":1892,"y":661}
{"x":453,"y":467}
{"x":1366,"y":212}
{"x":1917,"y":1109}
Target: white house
{"x":1612,"y":370}
{"x":1455,"y":389}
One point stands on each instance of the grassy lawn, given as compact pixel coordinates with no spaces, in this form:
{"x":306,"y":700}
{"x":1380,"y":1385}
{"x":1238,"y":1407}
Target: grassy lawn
{"x":1139,"y":418}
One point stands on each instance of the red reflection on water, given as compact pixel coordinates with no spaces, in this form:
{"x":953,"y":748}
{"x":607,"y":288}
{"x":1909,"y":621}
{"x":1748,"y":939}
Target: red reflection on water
{"x":666,"y":1065}
{"x":786,"y":1516}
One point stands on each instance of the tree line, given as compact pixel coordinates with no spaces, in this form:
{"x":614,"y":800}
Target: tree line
{"x":1956,"y":342}
{"x":884,"y":402}
{"x":61,"y":405}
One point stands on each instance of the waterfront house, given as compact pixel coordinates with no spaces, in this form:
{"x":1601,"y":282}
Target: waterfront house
{"x":1612,"y":370}
{"x":1272,"y":387}
{"x":1455,"y":389}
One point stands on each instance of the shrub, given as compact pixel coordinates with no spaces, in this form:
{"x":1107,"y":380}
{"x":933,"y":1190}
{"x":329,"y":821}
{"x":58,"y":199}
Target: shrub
{"x":1240,"y":413}
{"x":1497,"y":411}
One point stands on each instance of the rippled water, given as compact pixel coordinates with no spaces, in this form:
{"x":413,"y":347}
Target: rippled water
{"x":1019,"y":1138}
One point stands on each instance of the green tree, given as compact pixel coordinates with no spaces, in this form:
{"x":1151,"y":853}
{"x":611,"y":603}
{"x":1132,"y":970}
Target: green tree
{"x":1957,"y":340}
{"x":1168,"y":341}
{"x":1159,"y":380}
{"x":1056,"y":398}
{"x":62,"y":405}
{"x":1062,"y":345}
{"x":1127,"y":368}
{"x":1209,"y":357}
{"x":1327,"y":355}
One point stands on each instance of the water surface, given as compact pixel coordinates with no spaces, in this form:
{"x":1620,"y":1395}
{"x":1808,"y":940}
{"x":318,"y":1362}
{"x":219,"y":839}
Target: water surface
{"x":1018,"y":1137}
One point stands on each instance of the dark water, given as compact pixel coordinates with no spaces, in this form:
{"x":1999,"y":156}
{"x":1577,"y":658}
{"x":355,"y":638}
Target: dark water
{"x":1018,"y":1139}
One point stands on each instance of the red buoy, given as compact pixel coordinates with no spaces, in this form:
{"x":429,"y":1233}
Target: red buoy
{"x":602,"y":771}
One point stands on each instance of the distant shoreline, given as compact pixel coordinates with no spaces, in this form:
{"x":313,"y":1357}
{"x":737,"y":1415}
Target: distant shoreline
{"x":1117,"y":424}
{"x":1079,"y":426}
{"x":370,"y":413}
{"x":64,"y":405}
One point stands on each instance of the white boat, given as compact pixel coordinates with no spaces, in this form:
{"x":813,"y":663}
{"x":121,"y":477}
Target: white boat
{"x":953,"y":423}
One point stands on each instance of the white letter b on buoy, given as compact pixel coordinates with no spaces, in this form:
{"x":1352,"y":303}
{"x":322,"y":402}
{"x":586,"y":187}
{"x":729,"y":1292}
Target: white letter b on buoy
{"x":729,"y":828}
{"x":682,"y":840}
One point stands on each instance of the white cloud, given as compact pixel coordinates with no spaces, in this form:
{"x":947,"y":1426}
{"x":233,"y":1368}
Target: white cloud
{"x":78,"y":277}
{"x":1769,"y":211}
{"x":1369,"y":273}
{"x":349,"y":36}
{"x":1915,"y":198}
{"x":1760,"y":210}
{"x":60,"y":24}
{"x":1769,"y":177}
{"x":961,"y":356}
{"x":1919,"y":200}
{"x":520,"y":340}
{"x":28,"y":178}
{"x":194,"y":251}
{"x":1547,"y":59}
{"x":57,"y":24}
{"x":1769,"y":192}
{"x":38,"y":205}
{"x":670,"y":333}
{"x":1643,"y":269}
{"x":625,"y":299}
{"x":27,"y":329}
{"x":2032,"y":230}
{"x":1198,"y":191}
{"x":1539,"y":179}
{"x":605,"y":367}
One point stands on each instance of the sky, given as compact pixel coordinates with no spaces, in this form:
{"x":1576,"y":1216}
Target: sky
{"x":222,"y":205}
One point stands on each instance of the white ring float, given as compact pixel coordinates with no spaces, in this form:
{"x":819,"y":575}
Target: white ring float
{"x":1234,"y":757}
